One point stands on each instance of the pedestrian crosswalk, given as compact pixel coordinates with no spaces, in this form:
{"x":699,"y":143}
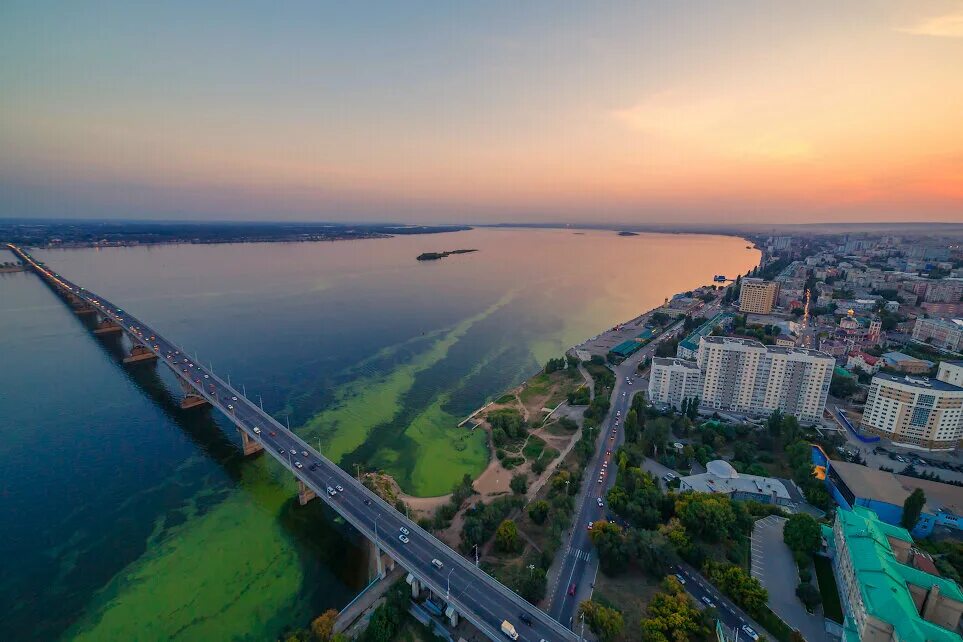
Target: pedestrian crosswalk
{"x":585,"y":556}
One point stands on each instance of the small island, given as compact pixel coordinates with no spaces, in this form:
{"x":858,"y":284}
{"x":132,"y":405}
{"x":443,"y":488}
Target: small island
{"x":628,"y":233}
{"x":434,"y":256}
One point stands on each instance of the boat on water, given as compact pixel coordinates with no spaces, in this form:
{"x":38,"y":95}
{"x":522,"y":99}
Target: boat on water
{"x":719,"y":278}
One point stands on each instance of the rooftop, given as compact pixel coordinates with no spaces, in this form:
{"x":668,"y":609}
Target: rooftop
{"x":675,"y":361}
{"x":926,"y":383}
{"x":723,"y":478}
{"x":882,"y":579}
{"x":894,"y":489}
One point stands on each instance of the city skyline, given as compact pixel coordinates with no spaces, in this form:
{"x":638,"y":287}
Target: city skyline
{"x":628,"y":113}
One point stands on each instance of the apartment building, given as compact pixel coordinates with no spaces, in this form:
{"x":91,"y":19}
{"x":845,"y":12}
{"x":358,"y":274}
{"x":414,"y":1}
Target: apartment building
{"x":942,"y":333}
{"x":672,"y":379}
{"x":951,"y":372}
{"x":919,"y":411}
{"x":889,"y":590}
{"x":758,"y":296}
{"x":745,"y":376}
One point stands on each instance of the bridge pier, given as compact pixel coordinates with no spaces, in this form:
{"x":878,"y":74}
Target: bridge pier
{"x":83,"y":308}
{"x":415,"y":586}
{"x":192,"y":400}
{"x":139,"y":353}
{"x":384,"y":563}
{"x":452,"y":615}
{"x":305,"y":494}
{"x":107,"y":326}
{"x":250,"y":444}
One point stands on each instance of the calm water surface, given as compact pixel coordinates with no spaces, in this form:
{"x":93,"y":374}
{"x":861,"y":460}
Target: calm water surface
{"x":125,"y":518}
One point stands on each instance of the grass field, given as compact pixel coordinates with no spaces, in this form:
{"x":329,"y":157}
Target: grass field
{"x":631,"y":591}
{"x":827,"y":588}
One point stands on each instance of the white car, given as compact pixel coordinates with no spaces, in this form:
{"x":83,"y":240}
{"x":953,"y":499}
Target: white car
{"x":340,"y":488}
{"x":331,"y":491}
{"x":679,"y":577}
{"x":404,"y":530}
{"x":404,"y":540}
{"x":748,"y":630}
{"x":298,"y":464}
{"x":257,"y":431}
{"x":233,"y":398}
{"x":600,"y":502}
{"x":708,"y":602}
{"x":294,"y":452}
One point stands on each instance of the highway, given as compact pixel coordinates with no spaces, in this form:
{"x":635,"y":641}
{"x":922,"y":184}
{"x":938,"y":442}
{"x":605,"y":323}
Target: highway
{"x":476,"y":596}
{"x":580,"y":563}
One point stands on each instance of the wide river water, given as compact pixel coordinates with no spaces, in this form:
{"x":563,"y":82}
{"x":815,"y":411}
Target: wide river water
{"x":124,"y":518}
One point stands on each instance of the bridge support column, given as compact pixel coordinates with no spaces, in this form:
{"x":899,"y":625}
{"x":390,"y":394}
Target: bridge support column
{"x":305,"y":494}
{"x":139,"y":353}
{"x":452,"y":615}
{"x":415,"y":588}
{"x":192,"y":400}
{"x":384,"y":563}
{"x":250,"y":444}
{"x":83,"y":308}
{"x":107,"y":326}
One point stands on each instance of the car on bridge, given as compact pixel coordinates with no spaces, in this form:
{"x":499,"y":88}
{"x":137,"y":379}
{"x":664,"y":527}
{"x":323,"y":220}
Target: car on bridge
{"x":404,"y":539}
{"x":330,"y":490}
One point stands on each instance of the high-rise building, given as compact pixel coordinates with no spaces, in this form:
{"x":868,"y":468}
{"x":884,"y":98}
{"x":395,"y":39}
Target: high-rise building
{"x":743,"y":375}
{"x":672,"y":380}
{"x":923,"y":412}
{"x":758,"y":296}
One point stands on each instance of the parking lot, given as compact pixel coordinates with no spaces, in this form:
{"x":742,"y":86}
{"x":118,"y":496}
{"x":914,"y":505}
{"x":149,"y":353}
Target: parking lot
{"x":774,"y":567}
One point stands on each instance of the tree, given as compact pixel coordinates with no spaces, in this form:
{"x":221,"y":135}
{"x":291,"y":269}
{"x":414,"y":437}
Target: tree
{"x":506,"y":537}
{"x":612,"y":547}
{"x":842,"y":386}
{"x":745,"y":590}
{"x":538,"y":511}
{"x":519,"y":484}
{"x":709,"y":516}
{"x":693,"y":410}
{"x":322,"y":627}
{"x":912,"y":508}
{"x":801,"y":534}
{"x":606,"y":623}
{"x":531,"y":584}
{"x":671,"y":615}
{"x":808,"y":595}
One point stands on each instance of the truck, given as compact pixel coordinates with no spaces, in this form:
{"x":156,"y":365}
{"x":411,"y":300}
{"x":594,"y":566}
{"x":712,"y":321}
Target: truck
{"x":509,"y":630}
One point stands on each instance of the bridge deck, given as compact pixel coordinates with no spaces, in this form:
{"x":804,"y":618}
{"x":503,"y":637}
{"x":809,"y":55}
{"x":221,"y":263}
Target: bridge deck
{"x":476,"y":596}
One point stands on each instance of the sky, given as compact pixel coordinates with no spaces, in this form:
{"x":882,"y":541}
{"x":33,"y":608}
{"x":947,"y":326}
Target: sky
{"x":680,"y":112}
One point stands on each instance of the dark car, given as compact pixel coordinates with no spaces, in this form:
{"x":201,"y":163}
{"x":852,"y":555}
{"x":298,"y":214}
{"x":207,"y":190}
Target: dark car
{"x":571,"y":589}
{"x":525,"y":618}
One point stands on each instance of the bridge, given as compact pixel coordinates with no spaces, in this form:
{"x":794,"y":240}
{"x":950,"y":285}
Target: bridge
{"x":467,"y":591}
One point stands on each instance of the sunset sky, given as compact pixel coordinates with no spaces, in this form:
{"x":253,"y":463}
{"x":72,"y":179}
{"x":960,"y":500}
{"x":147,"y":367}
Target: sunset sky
{"x":636,"y":112}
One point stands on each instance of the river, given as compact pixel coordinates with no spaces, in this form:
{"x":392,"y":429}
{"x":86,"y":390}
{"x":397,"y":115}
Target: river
{"x":125,"y":518}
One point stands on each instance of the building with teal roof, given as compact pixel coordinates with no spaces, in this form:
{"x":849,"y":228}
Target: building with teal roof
{"x":689,"y":346}
{"x":885,"y":591}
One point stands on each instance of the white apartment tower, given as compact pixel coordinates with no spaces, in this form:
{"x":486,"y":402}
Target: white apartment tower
{"x":671,"y":380}
{"x":745,"y":376}
{"x":918,"y":411}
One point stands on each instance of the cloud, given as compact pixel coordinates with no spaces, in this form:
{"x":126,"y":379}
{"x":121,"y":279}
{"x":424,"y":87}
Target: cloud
{"x":948,"y":26}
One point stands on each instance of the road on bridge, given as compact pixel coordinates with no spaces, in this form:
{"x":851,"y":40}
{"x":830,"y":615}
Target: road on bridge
{"x":476,"y":596}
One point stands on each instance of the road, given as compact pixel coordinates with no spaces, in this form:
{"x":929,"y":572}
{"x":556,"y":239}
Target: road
{"x":579,"y":564}
{"x":478,"y":597}
{"x":706,"y":596}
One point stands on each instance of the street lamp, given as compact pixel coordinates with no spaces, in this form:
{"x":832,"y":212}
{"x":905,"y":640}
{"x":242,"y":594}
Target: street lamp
{"x":448,"y":588}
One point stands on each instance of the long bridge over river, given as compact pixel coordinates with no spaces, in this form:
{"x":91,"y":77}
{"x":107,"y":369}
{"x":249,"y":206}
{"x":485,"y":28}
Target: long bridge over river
{"x":468,"y":591}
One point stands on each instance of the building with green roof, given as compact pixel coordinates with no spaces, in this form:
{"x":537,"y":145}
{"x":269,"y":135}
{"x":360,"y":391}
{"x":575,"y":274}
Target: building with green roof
{"x":885,"y":592}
